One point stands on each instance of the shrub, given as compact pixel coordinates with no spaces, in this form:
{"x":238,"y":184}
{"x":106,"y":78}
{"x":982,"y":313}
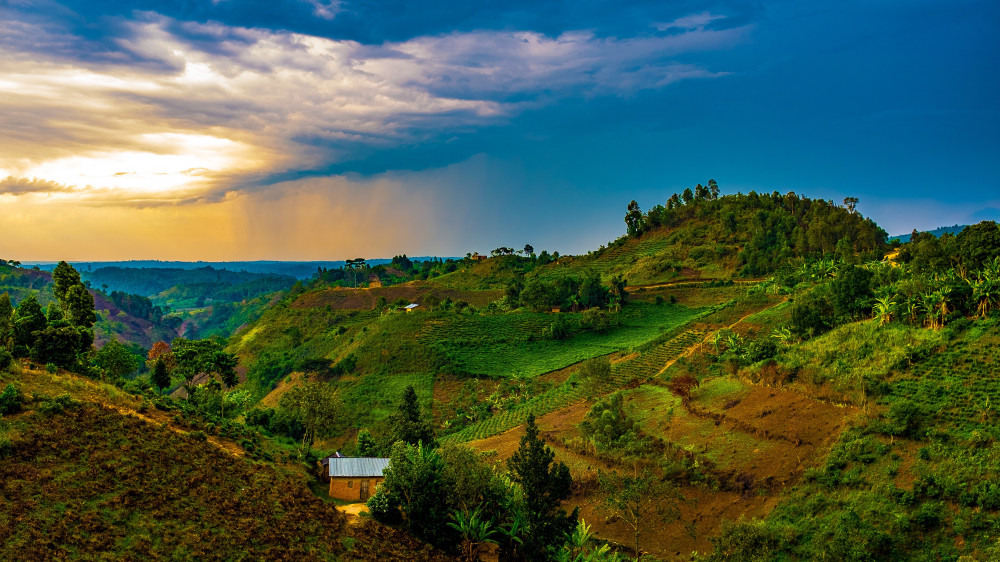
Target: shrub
{"x":51,"y":368}
{"x":58,"y":404}
{"x":6,"y":359}
{"x":10,"y":400}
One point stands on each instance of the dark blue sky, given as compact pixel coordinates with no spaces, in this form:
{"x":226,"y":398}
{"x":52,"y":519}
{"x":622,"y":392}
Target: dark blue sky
{"x":507,"y":122}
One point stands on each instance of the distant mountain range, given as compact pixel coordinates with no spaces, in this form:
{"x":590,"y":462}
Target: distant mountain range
{"x":297,"y":269}
{"x":955,"y":229}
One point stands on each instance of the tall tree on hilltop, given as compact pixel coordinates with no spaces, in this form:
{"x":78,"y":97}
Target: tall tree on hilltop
{"x":713,"y":188}
{"x":633,"y":219}
{"x":546,"y":484}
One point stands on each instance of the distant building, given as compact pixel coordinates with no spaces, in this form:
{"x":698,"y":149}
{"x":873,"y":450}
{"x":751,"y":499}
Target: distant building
{"x":355,"y":478}
{"x":411,"y":307}
{"x":478,"y":257}
{"x":374,"y":282}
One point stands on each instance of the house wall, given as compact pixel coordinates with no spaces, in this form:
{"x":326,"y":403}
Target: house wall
{"x":350,"y":488}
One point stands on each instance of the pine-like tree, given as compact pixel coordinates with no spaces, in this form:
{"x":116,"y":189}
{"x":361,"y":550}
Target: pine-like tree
{"x":546,"y":484}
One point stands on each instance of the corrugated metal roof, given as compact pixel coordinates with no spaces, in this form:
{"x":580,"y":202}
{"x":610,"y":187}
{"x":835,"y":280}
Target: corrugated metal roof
{"x":414,"y":305}
{"x":359,"y":467}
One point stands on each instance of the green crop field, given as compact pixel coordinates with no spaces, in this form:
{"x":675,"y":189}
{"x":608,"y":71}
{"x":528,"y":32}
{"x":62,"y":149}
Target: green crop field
{"x":639,"y":369}
{"x":508,"y":345}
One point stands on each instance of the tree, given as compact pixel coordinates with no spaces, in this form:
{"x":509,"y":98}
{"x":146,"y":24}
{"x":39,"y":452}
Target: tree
{"x":161,"y":350}
{"x":79,"y":306}
{"x":475,"y":529}
{"x":978,"y":244}
{"x":609,"y":427}
{"x":414,"y":493}
{"x":6,"y":318}
{"x":687,"y":196}
{"x":545,"y":485}
{"x":640,"y":500}
{"x":59,"y":346}
{"x":202,"y":356}
{"x":315,"y":404}
{"x":528,"y":250}
{"x":850,"y":203}
{"x":713,"y":188}
{"x":115,"y":360}
{"x":64,"y":277}
{"x":29,"y":319}
{"x":366,"y":444}
{"x":161,"y":376}
{"x":408,"y":426}
{"x":633,"y":219}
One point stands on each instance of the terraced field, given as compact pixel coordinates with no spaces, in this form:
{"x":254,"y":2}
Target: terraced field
{"x":960,"y":386}
{"x":513,"y":344}
{"x":634,"y":370}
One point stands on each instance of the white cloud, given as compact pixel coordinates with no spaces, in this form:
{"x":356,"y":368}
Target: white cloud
{"x":200,"y":116}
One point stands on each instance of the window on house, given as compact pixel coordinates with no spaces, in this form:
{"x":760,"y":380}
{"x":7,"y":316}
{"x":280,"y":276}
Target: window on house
{"x":350,"y":483}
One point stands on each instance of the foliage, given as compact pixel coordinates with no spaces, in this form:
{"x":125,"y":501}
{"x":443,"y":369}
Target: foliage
{"x":408,"y":424}
{"x":610,"y":428}
{"x":640,"y":500}
{"x":10,"y":400}
{"x":414,"y":493}
{"x":545,"y":485}
{"x":315,"y":404}
{"x":116,"y":361}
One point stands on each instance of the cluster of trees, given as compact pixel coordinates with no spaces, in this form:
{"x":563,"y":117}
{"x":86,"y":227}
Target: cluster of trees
{"x":924,"y":291}
{"x":570,"y":292}
{"x":771,"y":228}
{"x":451,"y":496}
{"x":137,"y":306}
{"x":62,"y":333}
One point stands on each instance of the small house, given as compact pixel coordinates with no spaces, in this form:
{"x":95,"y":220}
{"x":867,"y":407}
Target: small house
{"x":478,"y":257}
{"x":374,"y":282}
{"x":411,"y":307}
{"x":355,"y":478}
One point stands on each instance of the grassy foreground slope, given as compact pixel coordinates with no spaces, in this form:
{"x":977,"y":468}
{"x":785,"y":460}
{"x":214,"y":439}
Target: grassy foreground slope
{"x":91,"y":472}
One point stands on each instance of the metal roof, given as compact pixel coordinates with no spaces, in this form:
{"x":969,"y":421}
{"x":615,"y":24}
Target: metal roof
{"x":359,"y":467}
{"x":414,"y":305}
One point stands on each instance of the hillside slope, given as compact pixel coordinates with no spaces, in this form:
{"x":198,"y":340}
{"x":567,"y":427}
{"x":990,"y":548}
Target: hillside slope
{"x":92,"y":472}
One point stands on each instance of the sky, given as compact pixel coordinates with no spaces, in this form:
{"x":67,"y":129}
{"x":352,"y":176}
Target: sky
{"x":330,"y":129}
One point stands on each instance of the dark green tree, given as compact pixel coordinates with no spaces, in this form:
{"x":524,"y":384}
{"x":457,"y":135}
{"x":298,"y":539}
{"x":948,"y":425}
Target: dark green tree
{"x":546,"y":484}
{"x":408,"y":424}
{"x":978,"y":244}
{"x":64,"y":277}
{"x":161,"y":376}
{"x":687,"y":196}
{"x":60,"y":346}
{"x":6,"y":319}
{"x":366,"y":444}
{"x":28,"y":320}
{"x":115,"y":360}
{"x":414,"y":494}
{"x":79,"y":306}
{"x":633,"y":219}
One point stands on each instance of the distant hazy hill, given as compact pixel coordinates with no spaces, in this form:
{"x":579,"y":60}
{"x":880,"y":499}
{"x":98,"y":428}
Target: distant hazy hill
{"x":955,"y":229}
{"x":297,"y":269}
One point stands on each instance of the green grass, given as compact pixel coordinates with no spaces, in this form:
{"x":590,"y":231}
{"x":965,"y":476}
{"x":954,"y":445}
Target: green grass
{"x":498,"y":346}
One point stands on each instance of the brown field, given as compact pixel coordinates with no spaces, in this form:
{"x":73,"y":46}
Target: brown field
{"x":341,"y":298}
